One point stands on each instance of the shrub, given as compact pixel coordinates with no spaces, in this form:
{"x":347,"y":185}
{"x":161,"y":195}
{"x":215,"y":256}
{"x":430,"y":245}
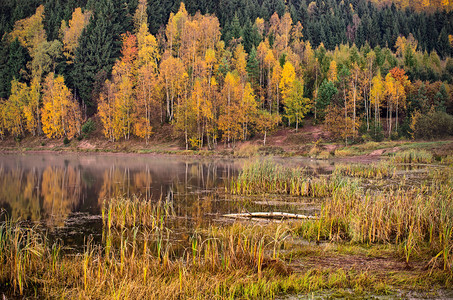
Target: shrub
{"x":435,"y":124}
{"x":394,"y":136}
{"x":66,"y":141}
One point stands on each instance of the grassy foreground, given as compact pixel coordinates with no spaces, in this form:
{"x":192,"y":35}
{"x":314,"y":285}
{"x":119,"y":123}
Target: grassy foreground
{"x":378,"y":232}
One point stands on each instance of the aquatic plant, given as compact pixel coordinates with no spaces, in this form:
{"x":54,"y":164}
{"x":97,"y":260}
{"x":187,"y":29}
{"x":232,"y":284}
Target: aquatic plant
{"x":266,"y":176}
{"x":375,"y":170}
{"x":413,"y":156}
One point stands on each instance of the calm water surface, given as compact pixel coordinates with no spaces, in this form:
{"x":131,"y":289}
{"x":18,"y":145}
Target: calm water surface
{"x":65,"y":192}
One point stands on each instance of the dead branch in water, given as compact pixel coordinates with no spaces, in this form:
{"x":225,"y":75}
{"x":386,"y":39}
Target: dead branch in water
{"x":270,"y":215}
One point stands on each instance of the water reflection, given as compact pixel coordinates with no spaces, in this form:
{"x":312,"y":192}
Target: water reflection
{"x":52,"y":188}
{"x":49,"y":187}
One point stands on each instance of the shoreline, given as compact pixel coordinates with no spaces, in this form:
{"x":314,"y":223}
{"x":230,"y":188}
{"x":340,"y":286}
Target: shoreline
{"x":323,"y":150}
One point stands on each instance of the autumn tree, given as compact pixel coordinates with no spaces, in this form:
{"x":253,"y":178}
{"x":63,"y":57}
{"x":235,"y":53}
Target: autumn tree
{"x":194,"y":115}
{"x":172,"y":75}
{"x":147,"y":89}
{"x":106,"y":110}
{"x":266,"y":122}
{"x":117,"y":104}
{"x":377,"y":93}
{"x":296,"y":105}
{"x":240,"y":62}
{"x":175,"y":30}
{"x":398,"y":93}
{"x":248,"y":109}
{"x":140,"y":16}
{"x":70,"y":33}
{"x":339,"y":125}
{"x":287,"y":79}
{"x":30,"y":31}
{"x":354,"y":95}
{"x":13,"y":109}
{"x":61,"y":116}
{"x":230,"y":118}
{"x":332,"y":73}
{"x":32,"y":107}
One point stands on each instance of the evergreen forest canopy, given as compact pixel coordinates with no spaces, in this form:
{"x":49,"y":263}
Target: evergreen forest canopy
{"x":361,"y":69}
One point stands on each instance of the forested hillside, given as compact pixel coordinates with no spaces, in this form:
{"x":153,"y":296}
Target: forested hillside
{"x":226,"y":70}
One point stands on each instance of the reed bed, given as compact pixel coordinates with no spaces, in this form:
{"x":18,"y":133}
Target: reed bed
{"x":139,"y":257}
{"x":258,"y":177}
{"x":413,"y":156}
{"x":418,"y":219}
{"x":376,"y":170}
{"x":237,"y":261}
{"x":262,"y":176}
{"x":447,"y":160}
{"x":21,"y":251}
{"x":130,"y":212}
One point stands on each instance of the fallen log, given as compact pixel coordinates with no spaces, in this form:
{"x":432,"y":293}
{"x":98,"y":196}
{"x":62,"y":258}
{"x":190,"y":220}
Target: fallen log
{"x":269,"y":215}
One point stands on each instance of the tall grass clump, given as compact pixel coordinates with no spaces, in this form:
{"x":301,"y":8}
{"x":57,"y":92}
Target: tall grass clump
{"x":418,"y":219}
{"x":130,"y":212}
{"x":447,"y":160}
{"x":376,"y":170}
{"x":268,"y":177}
{"x":21,"y":251}
{"x":229,"y":262}
{"x":413,"y":156}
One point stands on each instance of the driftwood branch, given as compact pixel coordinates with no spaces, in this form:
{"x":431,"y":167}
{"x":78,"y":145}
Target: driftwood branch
{"x":269,"y":215}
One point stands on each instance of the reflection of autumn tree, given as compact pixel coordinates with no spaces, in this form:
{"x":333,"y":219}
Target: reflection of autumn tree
{"x":125,"y":182}
{"x":115,"y":183}
{"x":122,"y":182}
{"x":19,"y":191}
{"x":142,"y":181}
{"x":60,"y":189}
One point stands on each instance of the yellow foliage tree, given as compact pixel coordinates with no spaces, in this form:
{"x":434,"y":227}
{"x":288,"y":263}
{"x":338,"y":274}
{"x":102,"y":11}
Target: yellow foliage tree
{"x":240,"y":62}
{"x":339,"y":125}
{"x":377,"y":93}
{"x":30,"y":31}
{"x":172,"y":77}
{"x":287,"y":80}
{"x":106,"y":110}
{"x":31,"y":108}
{"x":230,"y":119}
{"x":13,"y":110}
{"x":70,"y":34}
{"x":147,"y":89}
{"x":61,"y":115}
{"x":332,"y":73}
{"x":248,"y":108}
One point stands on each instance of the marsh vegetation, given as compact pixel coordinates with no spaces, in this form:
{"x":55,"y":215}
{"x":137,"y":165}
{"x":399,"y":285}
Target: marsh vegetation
{"x":377,"y":229}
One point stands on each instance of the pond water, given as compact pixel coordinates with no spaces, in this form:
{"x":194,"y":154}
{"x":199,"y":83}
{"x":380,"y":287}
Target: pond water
{"x":65,"y":192}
